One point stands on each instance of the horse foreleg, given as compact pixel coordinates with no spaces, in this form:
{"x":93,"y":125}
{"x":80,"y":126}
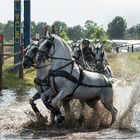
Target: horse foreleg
{"x":55,"y":111}
{"x":31,"y":101}
{"x":61,"y":95}
{"x":33,"y":105}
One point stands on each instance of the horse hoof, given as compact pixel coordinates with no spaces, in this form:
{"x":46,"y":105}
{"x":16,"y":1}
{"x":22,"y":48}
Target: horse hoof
{"x":60,"y":121}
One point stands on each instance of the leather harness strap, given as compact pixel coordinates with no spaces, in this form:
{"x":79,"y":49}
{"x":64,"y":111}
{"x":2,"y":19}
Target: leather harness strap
{"x":79,"y":81}
{"x":62,"y":73}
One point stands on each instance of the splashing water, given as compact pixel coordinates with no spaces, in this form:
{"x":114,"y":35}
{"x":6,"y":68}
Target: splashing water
{"x":14,"y":120}
{"x":128,"y":106}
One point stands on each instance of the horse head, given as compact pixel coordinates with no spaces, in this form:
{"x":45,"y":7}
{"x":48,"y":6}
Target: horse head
{"x":29,"y":56}
{"x":53,"y":47}
{"x":98,"y":54}
{"x":76,"y":52}
{"x":44,"y":49}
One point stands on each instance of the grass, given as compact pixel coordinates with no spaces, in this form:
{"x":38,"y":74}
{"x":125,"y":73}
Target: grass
{"x":124,"y":65}
{"x":12,"y":80}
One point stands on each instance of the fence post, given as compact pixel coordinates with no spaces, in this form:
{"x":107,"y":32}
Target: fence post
{"x":1,"y":60}
{"x":132,"y":48}
{"x":21,"y":66}
{"x":117,"y":49}
{"x":128,"y":49}
{"x":21,"y":57}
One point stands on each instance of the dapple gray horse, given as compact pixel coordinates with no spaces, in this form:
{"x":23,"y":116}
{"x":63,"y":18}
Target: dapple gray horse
{"x":41,"y":82}
{"x":101,"y":62}
{"x":70,"y":81}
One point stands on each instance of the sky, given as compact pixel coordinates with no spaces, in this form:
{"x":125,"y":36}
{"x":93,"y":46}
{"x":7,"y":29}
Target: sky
{"x":76,"y":12}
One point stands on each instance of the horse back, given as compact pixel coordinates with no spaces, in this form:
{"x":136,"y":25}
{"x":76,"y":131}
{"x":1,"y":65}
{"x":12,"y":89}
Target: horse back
{"x":95,"y":79}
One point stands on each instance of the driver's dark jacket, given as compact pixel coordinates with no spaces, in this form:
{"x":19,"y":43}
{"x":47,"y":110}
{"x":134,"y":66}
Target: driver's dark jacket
{"x":88,"y":55}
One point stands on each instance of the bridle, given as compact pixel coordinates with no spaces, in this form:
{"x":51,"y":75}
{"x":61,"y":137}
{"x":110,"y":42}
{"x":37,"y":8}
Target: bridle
{"x":31,"y":58}
{"x":59,"y":72}
{"x":45,"y":55}
{"x":99,"y":62}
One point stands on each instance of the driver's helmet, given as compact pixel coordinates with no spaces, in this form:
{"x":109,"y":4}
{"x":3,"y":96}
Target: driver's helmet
{"x":85,"y":44}
{"x":85,"y":41}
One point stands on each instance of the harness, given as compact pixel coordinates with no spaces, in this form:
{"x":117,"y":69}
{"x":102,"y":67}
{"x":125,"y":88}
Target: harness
{"x":78,"y":82}
{"x":65,"y":74}
{"x":42,"y":83}
{"x":61,"y":73}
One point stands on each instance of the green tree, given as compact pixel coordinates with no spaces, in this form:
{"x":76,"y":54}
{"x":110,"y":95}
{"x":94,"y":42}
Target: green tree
{"x":63,"y":35}
{"x":88,"y":28}
{"x":33,"y":29}
{"x":75,"y":33}
{"x":116,"y":28}
{"x":60,"y":26}
{"x":9,"y":31}
{"x":2,"y":26}
{"x":131,"y":33}
{"x":98,"y":34}
{"x":138,"y":31}
{"x":40,"y":28}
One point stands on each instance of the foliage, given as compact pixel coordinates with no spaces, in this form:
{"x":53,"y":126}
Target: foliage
{"x":60,"y":26}
{"x":133,"y":32}
{"x":9,"y":31}
{"x":138,"y":30}
{"x":89,"y":28}
{"x":98,"y":34}
{"x":108,"y":47}
{"x":2,"y":26}
{"x":38,"y":28}
{"x":95,"y":32}
{"x":116,"y":28}
{"x":75,"y":33}
{"x":63,"y":34}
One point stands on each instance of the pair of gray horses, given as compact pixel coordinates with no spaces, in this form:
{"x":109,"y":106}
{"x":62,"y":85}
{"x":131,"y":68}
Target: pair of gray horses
{"x":64,"y":80}
{"x":97,"y":61}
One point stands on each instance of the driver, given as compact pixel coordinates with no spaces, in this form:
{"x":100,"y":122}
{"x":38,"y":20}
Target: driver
{"x":87,"y":50}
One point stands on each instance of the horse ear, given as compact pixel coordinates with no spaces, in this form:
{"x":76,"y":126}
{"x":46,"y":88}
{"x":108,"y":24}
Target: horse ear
{"x":50,"y":37}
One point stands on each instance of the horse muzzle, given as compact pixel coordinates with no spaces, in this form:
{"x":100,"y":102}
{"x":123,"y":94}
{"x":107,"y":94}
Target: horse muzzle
{"x":27,"y":63}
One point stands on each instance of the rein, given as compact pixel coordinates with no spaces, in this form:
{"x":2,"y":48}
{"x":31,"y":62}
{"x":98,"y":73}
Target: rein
{"x":61,"y":73}
{"x":39,"y":67}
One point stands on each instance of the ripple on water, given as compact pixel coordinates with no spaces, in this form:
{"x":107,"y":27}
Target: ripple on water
{"x":126,"y":100}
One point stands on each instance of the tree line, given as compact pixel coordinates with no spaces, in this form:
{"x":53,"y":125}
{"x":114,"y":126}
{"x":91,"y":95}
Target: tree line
{"x":117,"y":29}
